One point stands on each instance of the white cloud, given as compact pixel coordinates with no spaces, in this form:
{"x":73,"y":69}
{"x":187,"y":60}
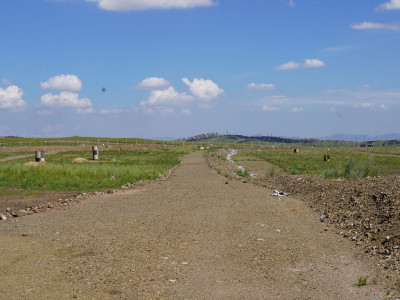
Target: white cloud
{"x":366,"y":104}
{"x":270,"y":108}
{"x":168,"y":110}
{"x":127,"y":5}
{"x":203,"y":89}
{"x":297,"y":109}
{"x":336,"y":49}
{"x":371,"y":25}
{"x":313,"y":63}
{"x":186,"y":112}
{"x":44,"y":112}
{"x":153,"y":83}
{"x":148,"y":111}
{"x":291,"y":3}
{"x":62,"y":83}
{"x":11,"y":97}
{"x":167,"y":97}
{"x":88,"y":110}
{"x":308,"y":63}
{"x":261,"y":86}
{"x":334,"y":101}
{"x":67,"y":100}
{"x":5,"y":81}
{"x":291,"y":65}
{"x":112,"y":111}
{"x":391,"y":5}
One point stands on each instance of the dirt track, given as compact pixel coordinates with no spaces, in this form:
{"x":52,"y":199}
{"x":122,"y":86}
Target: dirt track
{"x":193,"y":236}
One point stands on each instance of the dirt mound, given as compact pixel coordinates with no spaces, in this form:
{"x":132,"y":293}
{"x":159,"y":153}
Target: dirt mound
{"x":80,"y":160}
{"x":34,"y":163}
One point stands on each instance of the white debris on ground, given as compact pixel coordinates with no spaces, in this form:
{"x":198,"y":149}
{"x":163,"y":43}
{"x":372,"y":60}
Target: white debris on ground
{"x":229,"y":158}
{"x":231,"y":153}
{"x":241,"y":168}
{"x":279,"y":194}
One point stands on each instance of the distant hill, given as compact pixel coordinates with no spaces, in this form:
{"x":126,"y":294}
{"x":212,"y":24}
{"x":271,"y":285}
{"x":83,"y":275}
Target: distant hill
{"x":361,"y":137}
{"x":235,"y":138}
{"x":220,"y":138}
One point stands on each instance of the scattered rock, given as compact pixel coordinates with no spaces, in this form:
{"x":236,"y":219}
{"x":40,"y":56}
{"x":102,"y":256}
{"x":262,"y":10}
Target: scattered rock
{"x":22,"y":212}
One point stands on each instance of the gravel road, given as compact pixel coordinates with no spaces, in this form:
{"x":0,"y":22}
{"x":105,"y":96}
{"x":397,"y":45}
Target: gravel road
{"x":194,"y":236}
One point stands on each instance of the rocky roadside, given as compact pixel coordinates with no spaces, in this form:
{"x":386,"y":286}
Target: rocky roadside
{"x":364,"y":211}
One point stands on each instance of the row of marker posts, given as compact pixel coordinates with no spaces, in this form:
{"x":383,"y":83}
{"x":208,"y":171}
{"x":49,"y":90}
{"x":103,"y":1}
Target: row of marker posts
{"x":40,"y":155}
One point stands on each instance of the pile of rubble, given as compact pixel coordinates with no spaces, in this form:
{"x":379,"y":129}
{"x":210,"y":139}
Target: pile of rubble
{"x":365,"y":211}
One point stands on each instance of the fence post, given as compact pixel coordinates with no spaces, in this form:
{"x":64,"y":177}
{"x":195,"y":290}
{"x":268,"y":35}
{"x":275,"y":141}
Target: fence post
{"x":95,"y":150}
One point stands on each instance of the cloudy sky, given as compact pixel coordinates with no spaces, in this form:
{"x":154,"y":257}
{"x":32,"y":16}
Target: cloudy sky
{"x":175,"y":68}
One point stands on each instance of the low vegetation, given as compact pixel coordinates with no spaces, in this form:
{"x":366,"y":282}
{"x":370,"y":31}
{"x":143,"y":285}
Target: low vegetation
{"x":242,"y":173}
{"x":61,"y":173}
{"x":342,"y":163}
{"x":362,"y":281}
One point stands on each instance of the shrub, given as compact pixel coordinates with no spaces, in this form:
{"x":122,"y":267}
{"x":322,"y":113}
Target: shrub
{"x":293,"y":171}
{"x":367,"y":168}
{"x":271,"y":172}
{"x":362,"y":281}
{"x":332,"y":173}
{"x":242,"y":173}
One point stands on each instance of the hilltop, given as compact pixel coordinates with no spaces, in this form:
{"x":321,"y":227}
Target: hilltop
{"x":231,"y":138}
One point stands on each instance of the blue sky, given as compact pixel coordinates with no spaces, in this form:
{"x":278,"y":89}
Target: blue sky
{"x":175,"y":68}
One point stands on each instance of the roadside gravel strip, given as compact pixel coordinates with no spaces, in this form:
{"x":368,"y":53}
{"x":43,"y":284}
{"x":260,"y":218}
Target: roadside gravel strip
{"x":193,"y":236}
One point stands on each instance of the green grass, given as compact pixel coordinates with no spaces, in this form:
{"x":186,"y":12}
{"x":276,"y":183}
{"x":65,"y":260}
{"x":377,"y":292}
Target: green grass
{"x":242,"y":173}
{"x":79,"y":141}
{"x":350,"y":163}
{"x":272,"y":172}
{"x":9,"y":154}
{"x":115,"y":168}
{"x":362,"y":281}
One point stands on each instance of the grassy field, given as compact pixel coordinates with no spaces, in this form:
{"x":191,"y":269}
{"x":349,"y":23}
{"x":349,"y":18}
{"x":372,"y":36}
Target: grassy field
{"x":239,"y":141}
{"x":350,"y":163}
{"x":10,"y":142}
{"x":60,"y":173}
{"x":10,"y":154}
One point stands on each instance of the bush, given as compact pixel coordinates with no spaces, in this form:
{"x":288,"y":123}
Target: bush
{"x":363,"y":170}
{"x":332,"y":173}
{"x":271,"y":172}
{"x":242,"y":173}
{"x":293,"y":171}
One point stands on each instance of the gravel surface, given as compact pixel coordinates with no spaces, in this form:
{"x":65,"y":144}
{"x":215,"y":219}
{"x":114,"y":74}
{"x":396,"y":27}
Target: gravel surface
{"x":196,"y":235}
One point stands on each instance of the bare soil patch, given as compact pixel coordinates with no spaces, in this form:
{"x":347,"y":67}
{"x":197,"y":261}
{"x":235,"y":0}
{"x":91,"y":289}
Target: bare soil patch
{"x":258,"y":166}
{"x":79,"y":160}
